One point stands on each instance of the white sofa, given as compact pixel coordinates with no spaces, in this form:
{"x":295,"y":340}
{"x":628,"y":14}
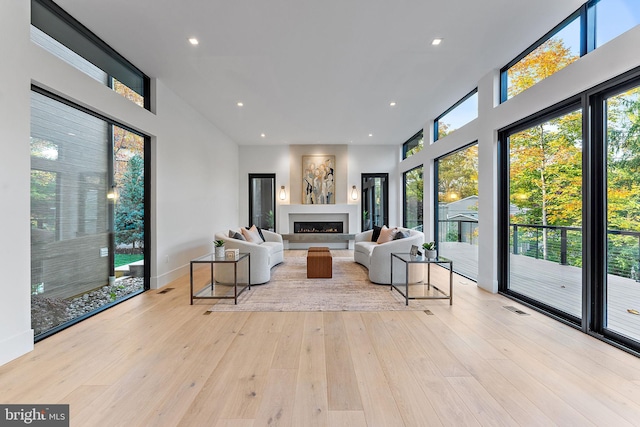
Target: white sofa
{"x":264,"y":255}
{"x":377,"y":257}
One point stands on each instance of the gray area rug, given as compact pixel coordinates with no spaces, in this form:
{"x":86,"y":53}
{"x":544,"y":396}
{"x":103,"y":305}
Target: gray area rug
{"x":348,"y":290}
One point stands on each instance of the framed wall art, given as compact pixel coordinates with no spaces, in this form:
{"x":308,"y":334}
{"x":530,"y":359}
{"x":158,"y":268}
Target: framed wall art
{"x":318,"y":180}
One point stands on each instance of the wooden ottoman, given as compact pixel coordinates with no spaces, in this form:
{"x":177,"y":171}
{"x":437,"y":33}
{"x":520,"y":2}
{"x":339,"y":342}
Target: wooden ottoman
{"x":319,"y":263}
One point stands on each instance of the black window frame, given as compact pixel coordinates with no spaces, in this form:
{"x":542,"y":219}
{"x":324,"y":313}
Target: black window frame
{"x":415,"y":140}
{"x":89,"y":46}
{"x":450,"y":109}
{"x":253,"y":176}
{"x":580,"y":13}
{"x":404,"y":194}
{"x":147,"y":210}
{"x":594,"y":217}
{"x":385,"y":189}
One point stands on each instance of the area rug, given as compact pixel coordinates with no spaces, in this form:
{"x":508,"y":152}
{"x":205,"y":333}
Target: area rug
{"x":348,"y":290}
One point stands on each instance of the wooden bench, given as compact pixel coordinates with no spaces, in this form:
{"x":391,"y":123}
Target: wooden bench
{"x":319,"y":263}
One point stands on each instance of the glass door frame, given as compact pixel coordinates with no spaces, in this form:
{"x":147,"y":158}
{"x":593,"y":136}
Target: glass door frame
{"x":594,"y":209}
{"x":253,"y":176}
{"x":385,"y":191}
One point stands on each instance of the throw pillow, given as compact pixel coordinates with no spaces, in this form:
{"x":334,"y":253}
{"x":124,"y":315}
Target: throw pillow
{"x":259,"y":232}
{"x":236,"y":235}
{"x":387,"y":234}
{"x":376,"y":233}
{"x":401,"y":234}
{"x":251,"y":235}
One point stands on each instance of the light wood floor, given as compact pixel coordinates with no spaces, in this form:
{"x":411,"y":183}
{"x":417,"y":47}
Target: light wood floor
{"x":157,"y":361}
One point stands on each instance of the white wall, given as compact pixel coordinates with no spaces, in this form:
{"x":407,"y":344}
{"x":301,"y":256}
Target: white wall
{"x":194,"y":170}
{"x":604,"y":63}
{"x":285,"y":161}
{"x":16,"y":335}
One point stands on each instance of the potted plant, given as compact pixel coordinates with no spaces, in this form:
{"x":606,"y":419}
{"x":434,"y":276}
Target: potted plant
{"x":430,"y":250}
{"x":219,"y":244}
{"x":270,"y":221}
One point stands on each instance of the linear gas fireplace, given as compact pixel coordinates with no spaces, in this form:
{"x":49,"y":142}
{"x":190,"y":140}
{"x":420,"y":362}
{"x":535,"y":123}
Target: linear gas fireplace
{"x":317,"y":227}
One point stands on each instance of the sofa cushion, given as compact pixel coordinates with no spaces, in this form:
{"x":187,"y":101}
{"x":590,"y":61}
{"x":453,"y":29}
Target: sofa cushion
{"x":251,"y":234}
{"x":365,"y":247}
{"x":376,"y":233}
{"x":401,"y":234}
{"x":387,"y":234}
{"x":259,"y":232}
{"x":236,"y":235}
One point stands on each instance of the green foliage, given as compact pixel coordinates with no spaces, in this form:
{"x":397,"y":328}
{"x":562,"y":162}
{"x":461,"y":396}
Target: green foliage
{"x":129,"y":215}
{"x":458,"y":175}
{"x":218,"y":243}
{"x":429,"y":246}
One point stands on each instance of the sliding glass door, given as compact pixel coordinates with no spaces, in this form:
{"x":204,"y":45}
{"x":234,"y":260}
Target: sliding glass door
{"x":545,"y":212}
{"x":457,"y":209}
{"x":622,"y":302}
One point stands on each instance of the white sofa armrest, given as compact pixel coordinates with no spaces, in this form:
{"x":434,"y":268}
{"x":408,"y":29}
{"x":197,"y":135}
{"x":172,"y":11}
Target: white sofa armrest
{"x":364,"y":236}
{"x":270,"y":236}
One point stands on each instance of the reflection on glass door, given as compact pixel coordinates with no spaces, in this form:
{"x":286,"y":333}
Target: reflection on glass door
{"x":262,"y":200}
{"x":375,"y":203}
{"x":545,"y":213}
{"x":623,"y":214}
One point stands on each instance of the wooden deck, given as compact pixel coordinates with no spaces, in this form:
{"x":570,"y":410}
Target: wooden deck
{"x":559,"y":286}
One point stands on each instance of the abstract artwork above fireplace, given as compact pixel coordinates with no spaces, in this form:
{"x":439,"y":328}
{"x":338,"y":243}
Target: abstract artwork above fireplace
{"x":318,"y":180}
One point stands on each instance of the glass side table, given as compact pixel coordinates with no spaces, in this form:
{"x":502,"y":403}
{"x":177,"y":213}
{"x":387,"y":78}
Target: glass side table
{"x":227,"y":289}
{"x":403,"y":286}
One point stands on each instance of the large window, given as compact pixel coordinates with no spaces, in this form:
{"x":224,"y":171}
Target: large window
{"x":413,"y":145}
{"x":457,"y":209}
{"x":569,"y":221}
{"x":594,"y":24}
{"x":60,"y":34}
{"x":412,"y":215}
{"x":622,"y":130}
{"x":461,"y":113}
{"x":88,"y":214}
{"x":545,"y":211}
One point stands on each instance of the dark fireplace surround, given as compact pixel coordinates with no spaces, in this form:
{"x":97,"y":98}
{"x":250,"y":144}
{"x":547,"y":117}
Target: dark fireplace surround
{"x":317,"y":227}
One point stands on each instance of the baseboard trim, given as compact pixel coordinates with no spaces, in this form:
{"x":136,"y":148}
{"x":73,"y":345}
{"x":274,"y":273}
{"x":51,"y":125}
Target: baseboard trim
{"x":16,"y":346}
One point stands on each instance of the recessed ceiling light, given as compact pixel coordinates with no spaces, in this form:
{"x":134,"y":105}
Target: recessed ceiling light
{"x":239,"y":104}
{"x":263,"y":135}
{"x":392,"y":104}
{"x":436,"y":42}
{"x":370,"y":134}
{"x":193,"y":41}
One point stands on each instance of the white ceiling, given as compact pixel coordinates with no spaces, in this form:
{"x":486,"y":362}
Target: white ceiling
{"x":320,"y":71}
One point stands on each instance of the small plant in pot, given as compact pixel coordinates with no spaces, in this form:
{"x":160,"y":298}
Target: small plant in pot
{"x":430,"y":250}
{"x":219,"y":244}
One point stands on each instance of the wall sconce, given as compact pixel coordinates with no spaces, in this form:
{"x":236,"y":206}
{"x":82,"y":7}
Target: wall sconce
{"x":354,"y":193}
{"x":283,"y":194}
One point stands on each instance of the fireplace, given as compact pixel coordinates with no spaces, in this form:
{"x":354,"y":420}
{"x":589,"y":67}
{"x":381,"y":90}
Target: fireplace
{"x":317,"y":227}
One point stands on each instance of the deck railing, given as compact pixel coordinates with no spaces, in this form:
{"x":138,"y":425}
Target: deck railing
{"x":560,"y":244}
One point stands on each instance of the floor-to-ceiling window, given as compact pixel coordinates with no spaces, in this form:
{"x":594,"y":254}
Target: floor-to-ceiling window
{"x":457,"y":209}
{"x":412,"y":212}
{"x":545,"y":211}
{"x":375,"y":200}
{"x":262,"y":200}
{"x":88,"y":213}
{"x":622,"y":288}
